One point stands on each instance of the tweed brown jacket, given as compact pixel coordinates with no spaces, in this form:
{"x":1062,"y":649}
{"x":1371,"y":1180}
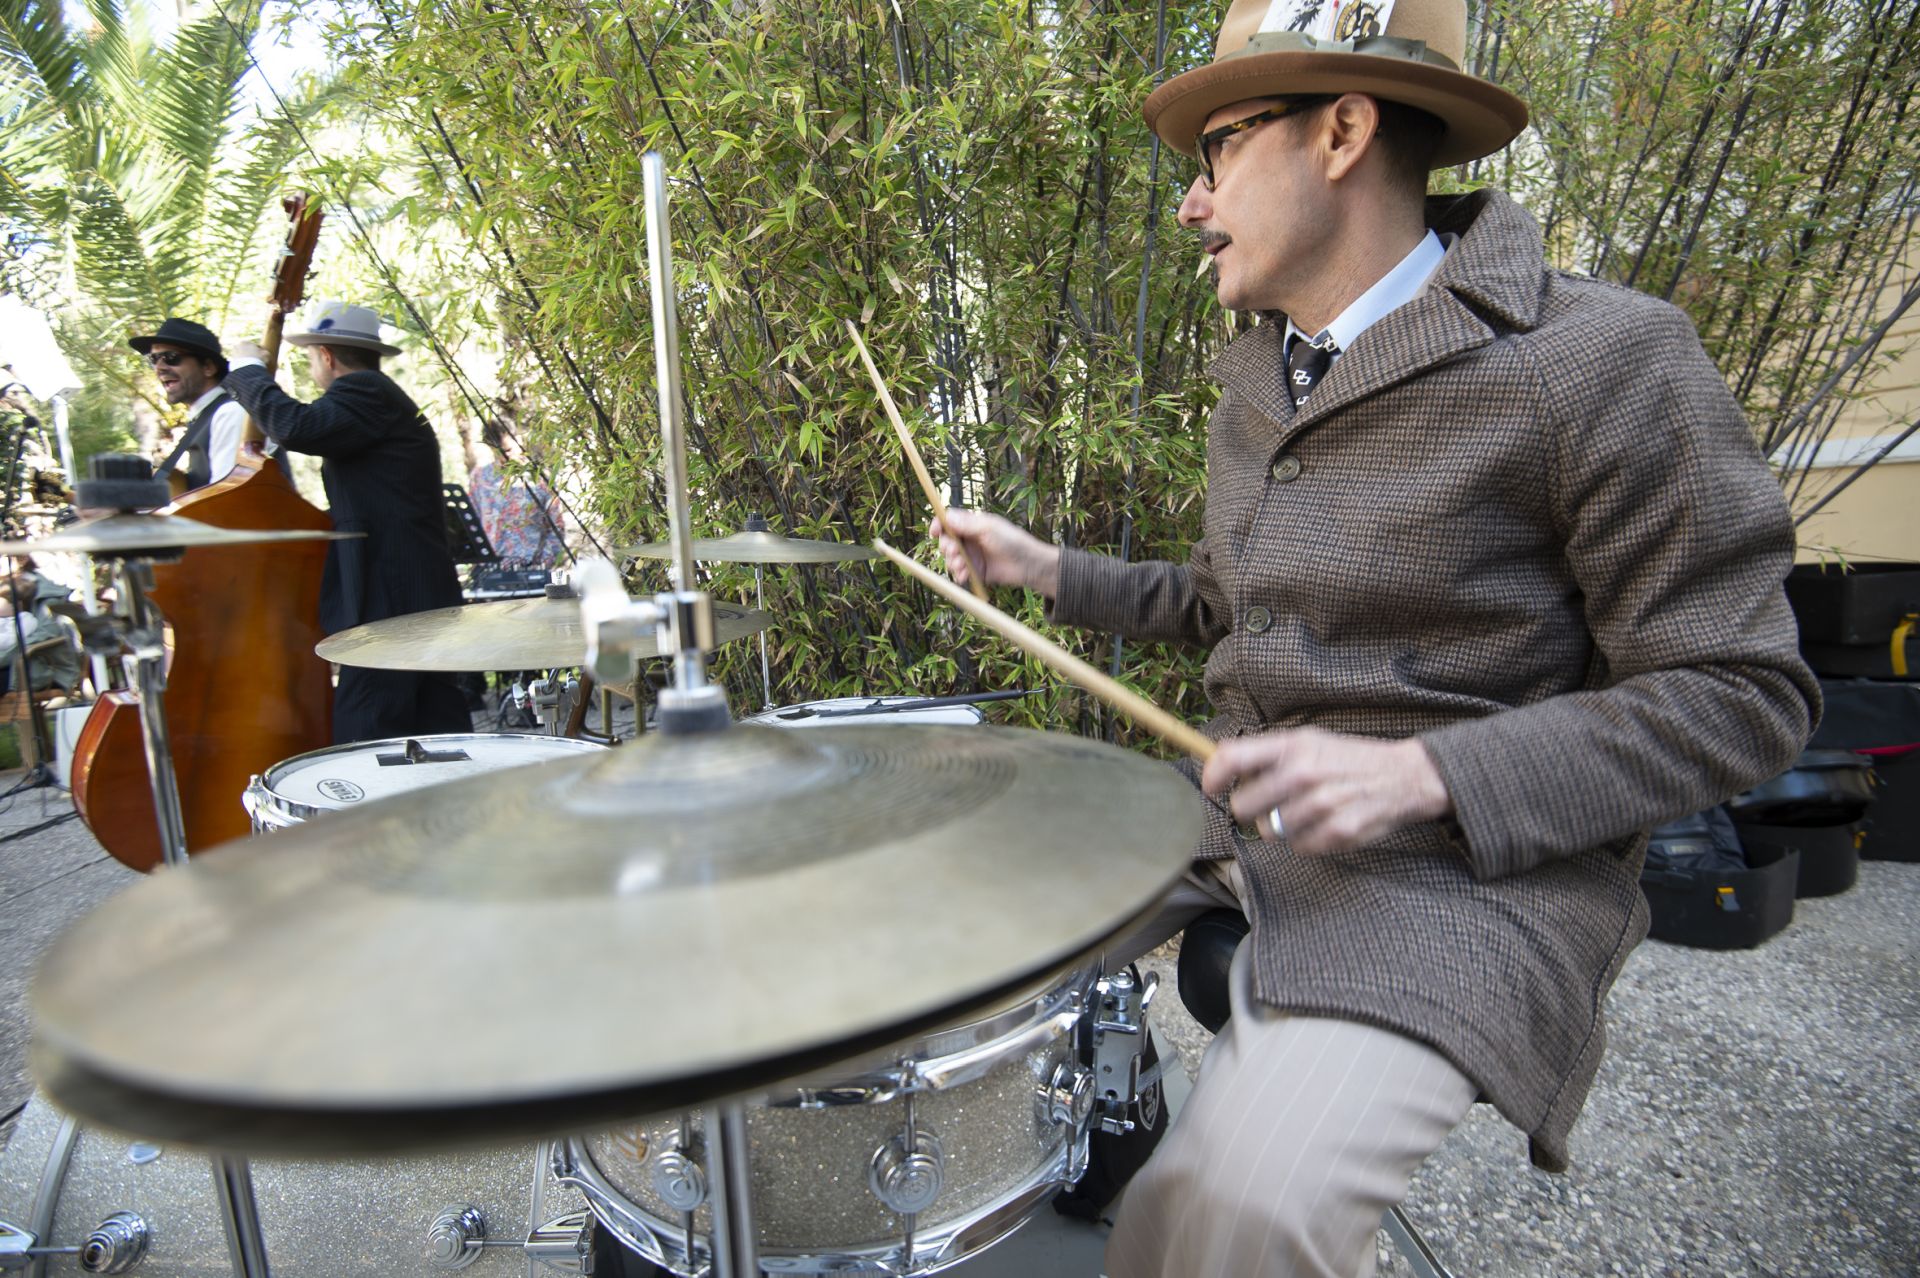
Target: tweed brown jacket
{"x":1522,"y":519}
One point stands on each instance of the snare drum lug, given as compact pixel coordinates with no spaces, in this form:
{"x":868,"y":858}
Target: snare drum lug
{"x":1067,"y":1098}
{"x":116,"y":1246}
{"x":908,"y":1183}
{"x":456,"y":1238}
{"x":565,"y":1244}
{"x":679,"y":1181}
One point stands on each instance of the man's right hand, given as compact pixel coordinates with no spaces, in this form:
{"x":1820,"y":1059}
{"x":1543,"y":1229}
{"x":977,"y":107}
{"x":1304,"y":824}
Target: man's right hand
{"x":1007,"y":554}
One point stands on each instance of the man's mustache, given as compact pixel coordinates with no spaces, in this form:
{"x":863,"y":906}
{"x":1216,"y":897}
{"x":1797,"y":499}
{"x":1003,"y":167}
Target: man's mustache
{"x":1213,"y":239}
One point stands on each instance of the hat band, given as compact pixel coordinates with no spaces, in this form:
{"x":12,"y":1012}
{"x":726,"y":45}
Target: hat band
{"x":1376,"y":47}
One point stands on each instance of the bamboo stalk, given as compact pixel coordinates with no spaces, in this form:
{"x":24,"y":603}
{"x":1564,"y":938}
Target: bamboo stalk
{"x":1116,"y":694}
{"x":913,"y":454}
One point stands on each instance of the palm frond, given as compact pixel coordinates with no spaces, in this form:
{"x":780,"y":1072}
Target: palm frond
{"x":40,"y":57}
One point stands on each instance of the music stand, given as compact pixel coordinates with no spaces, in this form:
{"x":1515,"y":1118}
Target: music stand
{"x":466,"y":537}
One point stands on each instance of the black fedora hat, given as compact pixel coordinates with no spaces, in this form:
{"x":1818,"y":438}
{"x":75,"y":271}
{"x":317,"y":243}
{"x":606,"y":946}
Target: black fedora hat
{"x":185,"y":334}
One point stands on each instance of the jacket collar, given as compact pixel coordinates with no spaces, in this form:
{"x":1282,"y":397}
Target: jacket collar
{"x":1490,"y":281}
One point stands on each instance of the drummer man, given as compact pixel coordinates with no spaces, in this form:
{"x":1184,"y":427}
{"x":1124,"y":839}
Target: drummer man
{"x":1490,"y":575}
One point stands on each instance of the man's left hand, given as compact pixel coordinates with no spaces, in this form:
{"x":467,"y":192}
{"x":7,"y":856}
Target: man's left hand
{"x":1333,"y":792}
{"x":247,"y":350}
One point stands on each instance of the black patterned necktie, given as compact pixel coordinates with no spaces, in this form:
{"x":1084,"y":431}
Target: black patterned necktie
{"x":1308,"y":359}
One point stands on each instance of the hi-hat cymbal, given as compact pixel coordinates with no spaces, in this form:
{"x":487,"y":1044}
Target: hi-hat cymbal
{"x":133,"y":534}
{"x":758,"y":547}
{"x":507,"y":634}
{"x":568,"y":944}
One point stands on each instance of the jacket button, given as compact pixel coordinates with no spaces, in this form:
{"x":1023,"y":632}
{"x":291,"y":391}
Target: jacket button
{"x":1287,"y":469}
{"x":1258,"y":620}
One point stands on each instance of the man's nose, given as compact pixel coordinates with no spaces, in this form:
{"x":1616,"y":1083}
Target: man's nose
{"x":1197,"y":206}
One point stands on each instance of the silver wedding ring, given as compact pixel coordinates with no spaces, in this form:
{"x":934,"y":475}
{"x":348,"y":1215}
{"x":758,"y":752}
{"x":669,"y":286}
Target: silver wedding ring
{"x":1273,"y":820}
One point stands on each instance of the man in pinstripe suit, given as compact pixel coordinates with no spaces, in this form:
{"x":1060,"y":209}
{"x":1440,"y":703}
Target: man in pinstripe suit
{"x":382,"y":475}
{"x":1490,"y":576}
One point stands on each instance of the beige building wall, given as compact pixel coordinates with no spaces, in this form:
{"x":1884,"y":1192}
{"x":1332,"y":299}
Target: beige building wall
{"x":1878,"y":516}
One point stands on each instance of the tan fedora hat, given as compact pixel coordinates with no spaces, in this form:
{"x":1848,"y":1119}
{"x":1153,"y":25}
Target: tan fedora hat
{"x":1287,"y":48}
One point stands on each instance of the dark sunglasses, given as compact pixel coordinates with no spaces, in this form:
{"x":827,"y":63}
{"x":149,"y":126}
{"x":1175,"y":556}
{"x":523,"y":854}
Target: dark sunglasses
{"x":172,"y":359}
{"x":1206,"y":146}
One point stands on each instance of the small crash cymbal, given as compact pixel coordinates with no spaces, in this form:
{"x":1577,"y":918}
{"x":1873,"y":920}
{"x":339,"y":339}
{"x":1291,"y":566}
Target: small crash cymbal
{"x":565,"y":945}
{"x":758,"y":546}
{"x":506,"y":634}
{"x":135,"y":534}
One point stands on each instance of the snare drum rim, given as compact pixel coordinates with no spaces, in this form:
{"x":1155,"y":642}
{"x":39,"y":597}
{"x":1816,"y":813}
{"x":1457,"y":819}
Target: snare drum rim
{"x":962,"y":1059}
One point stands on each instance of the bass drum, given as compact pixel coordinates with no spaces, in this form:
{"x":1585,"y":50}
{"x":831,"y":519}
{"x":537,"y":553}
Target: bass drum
{"x":152,"y":1210}
{"x":943,"y":1147}
{"x":346,"y":776}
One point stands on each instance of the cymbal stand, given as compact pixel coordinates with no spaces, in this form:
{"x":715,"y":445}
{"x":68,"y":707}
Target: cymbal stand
{"x":682,"y":622}
{"x":141,"y":638}
{"x":553,"y":701}
{"x":137,"y":633}
{"x":760,"y":602}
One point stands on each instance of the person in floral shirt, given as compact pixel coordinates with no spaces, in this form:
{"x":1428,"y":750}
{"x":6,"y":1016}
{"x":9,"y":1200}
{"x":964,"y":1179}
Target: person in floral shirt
{"x":521,"y":516}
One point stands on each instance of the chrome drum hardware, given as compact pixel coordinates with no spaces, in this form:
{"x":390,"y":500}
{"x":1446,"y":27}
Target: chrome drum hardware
{"x":71,"y":1193}
{"x":940,"y":1148}
{"x":116,"y":1246}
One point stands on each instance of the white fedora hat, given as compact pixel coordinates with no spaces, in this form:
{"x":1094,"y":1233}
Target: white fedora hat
{"x":1406,"y":51}
{"x":338,"y":324}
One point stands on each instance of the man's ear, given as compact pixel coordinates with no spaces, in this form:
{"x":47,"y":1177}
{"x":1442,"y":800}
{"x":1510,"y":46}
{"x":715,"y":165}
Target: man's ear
{"x":1348,"y":128}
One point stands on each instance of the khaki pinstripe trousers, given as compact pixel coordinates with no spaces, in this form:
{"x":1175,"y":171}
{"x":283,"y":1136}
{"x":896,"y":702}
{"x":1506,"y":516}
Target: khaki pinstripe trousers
{"x":1300,"y":1133}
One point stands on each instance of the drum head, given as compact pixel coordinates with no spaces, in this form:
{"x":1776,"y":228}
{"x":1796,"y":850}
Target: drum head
{"x":349,"y":775}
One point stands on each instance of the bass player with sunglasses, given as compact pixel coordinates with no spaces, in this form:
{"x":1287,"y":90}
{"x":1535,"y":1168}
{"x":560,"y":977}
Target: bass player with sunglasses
{"x":187,"y":361}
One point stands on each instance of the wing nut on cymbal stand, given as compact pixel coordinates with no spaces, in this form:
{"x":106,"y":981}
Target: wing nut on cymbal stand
{"x":680,"y":622}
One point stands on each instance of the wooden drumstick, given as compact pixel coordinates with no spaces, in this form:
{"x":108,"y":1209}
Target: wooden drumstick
{"x":1114,"y":693}
{"x":913,"y":454}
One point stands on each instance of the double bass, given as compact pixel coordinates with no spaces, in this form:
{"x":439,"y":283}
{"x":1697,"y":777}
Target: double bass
{"x":244,"y":687}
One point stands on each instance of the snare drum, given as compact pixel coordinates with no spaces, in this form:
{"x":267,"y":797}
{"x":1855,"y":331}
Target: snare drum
{"x":865,"y":711}
{"x":999,"y":1108}
{"x":347,"y":776}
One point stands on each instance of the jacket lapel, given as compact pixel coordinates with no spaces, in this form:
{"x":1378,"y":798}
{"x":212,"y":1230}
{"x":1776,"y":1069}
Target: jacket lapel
{"x":1491,"y":277}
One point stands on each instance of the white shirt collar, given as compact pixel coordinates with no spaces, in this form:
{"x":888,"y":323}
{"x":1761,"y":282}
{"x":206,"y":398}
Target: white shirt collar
{"x":1393,"y":290}
{"x":201,"y":403}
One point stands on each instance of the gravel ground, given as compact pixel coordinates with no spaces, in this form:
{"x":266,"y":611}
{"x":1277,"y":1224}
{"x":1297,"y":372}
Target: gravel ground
{"x":1757,"y":1115}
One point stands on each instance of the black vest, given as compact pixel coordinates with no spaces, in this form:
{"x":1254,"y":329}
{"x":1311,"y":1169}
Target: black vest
{"x":193,"y":446}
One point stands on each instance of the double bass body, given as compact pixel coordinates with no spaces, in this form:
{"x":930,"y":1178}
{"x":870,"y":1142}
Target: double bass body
{"x":244,"y":687}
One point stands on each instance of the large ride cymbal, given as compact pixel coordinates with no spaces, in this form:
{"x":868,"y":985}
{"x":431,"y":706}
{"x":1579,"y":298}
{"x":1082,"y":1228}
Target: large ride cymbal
{"x":757,"y":547}
{"x":135,"y":534}
{"x":506,"y":634}
{"x":572,"y":943}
